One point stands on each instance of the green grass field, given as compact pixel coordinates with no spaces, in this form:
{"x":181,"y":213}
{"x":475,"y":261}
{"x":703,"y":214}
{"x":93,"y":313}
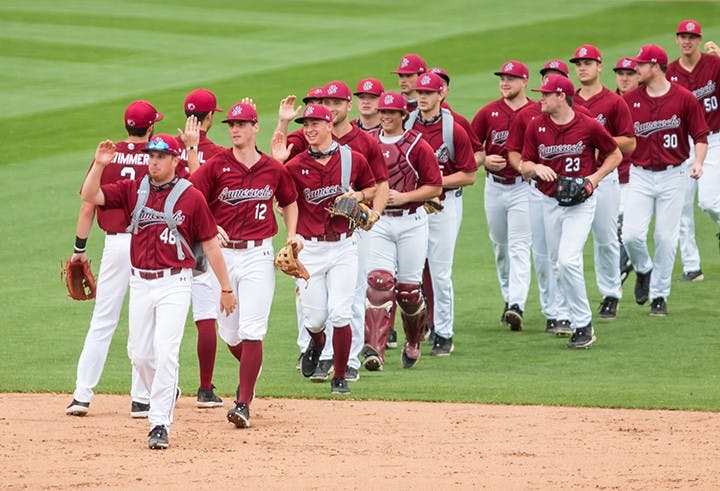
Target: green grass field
{"x":70,"y":68}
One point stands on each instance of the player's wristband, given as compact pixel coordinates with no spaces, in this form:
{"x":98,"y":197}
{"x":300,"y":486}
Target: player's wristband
{"x":194,"y":147}
{"x":80,"y":244}
{"x":225,"y":292}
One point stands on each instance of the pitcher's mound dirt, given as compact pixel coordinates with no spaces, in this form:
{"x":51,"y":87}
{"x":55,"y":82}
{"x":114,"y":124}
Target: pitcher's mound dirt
{"x":309,"y":444}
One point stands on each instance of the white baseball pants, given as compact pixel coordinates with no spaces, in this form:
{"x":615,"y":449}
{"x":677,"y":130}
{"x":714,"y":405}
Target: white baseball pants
{"x":605,"y":244}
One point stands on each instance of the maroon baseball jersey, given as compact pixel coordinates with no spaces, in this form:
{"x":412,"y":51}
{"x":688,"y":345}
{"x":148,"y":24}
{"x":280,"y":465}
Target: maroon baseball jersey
{"x":662,"y":125}
{"x":529,"y":112}
{"x":371,"y":131}
{"x":318,"y":185}
{"x":475,"y":142}
{"x":491,"y":125}
{"x":410,"y":163}
{"x":154,"y":247}
{"x":357,"y":140}
{"x":206,"y":149}
{"x":612,"y":112}
{"x":704,"y":83}
{"x":129,"y":162}
{"x":241,"y":198}
{"x":568,"y":149}
{"x":464,"y":157}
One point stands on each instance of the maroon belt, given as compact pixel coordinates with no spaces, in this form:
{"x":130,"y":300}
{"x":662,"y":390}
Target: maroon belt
{"x":507,"y":181}
{"x":398,"y":212}
{"x":660,"y":167}
{"x":331,"y":237}
{"x":242,"y":244}
{"x":154,"y":275}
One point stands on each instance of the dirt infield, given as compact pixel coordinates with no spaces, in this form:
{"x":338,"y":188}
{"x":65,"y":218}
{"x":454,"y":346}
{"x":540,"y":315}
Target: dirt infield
{"x":303,"y":444}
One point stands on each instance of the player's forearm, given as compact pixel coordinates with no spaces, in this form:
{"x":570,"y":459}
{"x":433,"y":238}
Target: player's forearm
{"x":423,"y":193}
{"x":193,"y":159}
{"x":480,"y":158}
{"x":626,"y":144}
{"x":700,"y":153}
{"x":380,"y":199}
{"x":217,"y":262}
{"x":85,"y":220}
{"x":91,"y":191}
{"x":366,"y":194}
{"x":290,"y":217}
{"x":514,"y":160}
{"x":459,"y":179}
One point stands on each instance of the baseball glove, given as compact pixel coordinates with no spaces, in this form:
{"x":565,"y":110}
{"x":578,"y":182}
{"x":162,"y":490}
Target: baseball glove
{"x":433,"y":206}
{"x":79,"y":279}
{"x":287,"y":261}
{"x":572,"y":191}
{"x":358,"y":214}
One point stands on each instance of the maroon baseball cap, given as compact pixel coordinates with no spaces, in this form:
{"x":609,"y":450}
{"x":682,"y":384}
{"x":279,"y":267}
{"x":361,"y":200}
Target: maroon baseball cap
{"x":555,"y":84}
{"x":557,"y":65}
{"x":410,"y":64}
{"x":315,"y":111}
{"x":392,"y":101}
{"x":201,"y":101}
{"x":314,"y":93}
{"x":337,"y":89}
{"x":625,"y":63}
{"x":241,"y":112}
{"x":141,"y":114}
{"x":442,"y":73}
{"x":163,"y":143}
{"x":587,"y":52}
{"x":651,"y":53}
{"x":689,"y":26}
{"x":371,"y":86}
{"x":514,"y":68}
{"x":429,"y":82}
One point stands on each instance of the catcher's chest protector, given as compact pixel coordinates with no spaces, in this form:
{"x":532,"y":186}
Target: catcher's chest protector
{"x":402,"y":175}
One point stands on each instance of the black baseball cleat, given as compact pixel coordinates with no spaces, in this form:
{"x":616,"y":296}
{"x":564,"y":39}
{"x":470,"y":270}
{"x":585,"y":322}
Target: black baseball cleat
{"x":514,"y":317}
{"x":608,"y":308}
{"x":322,"y":372}
{"x":339,"y":386}
{"x":239,"y":415}
{"x":583,"y":337}
{"x":310,"y":359}
{"x":658,"y":307}
{"x":207,"y":398}
{"x":139,"y":409}
{"x":77,"y":408}
{"x":443,"y":346}
{"x":373,"y":361}
{"x":693,"y":276}
{"x":391,"y":339}
{"x":158,"y":438}
{"x":551,"y":326}
{"x":642,"y":287}
{"x":563,"y":328}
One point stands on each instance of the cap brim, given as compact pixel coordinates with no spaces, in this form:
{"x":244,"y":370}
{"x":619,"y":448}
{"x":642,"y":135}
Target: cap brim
{"x":158,"y":117}
{"x":510,"y":75}
{"x":405,"y":72}
{"x":239,"y":119}
{"x":302,"y":120}
{"x":366,"y":92}
{"x":688,"y":32}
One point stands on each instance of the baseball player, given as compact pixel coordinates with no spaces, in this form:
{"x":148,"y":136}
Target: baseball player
{"x":368,"y":94}
{"x":129,"y":162}
{"x":664,"y":114}
{"x":506,"y":194}
{"x":397,"y":256}
{"x":555,"y":67}
{"x":240,"y":184}
{"x":161,"y":267}
{"x":700,"y":74}
{"x":612,"y":112}
{"x":202,"y":104}
{"x":626,"y":79}
{"x":411,"y":66}
{"x":453,"y":150}
{"x":330,"y":247}
{"x":562,"y":142}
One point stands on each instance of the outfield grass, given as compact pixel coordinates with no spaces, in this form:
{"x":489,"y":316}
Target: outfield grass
{"x":70,"y":68}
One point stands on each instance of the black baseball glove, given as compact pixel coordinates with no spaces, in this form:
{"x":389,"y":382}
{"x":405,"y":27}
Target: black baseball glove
{"x":572,"y":191}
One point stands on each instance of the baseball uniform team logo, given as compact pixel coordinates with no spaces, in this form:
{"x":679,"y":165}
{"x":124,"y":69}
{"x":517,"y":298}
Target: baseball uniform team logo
{"x":389,"y":99}
{"x":332,"y":89}
{"x":601,"y":119}
{"x":237,"y":110}
{"x":708,"y":89}
{"x":690,"y":26}
{"x":508,"y":67}
{"x":367,"y":85}
{"x":319,"y":195}
{"x":237,"y":196}
{"x":150,"y":217}
{"x":309,"y":111}
{"x":646,"y":129}
{"x":549,"y":152}
{"x":582,"y":52}
{"x":404,"y":63}
{"x":425,"y":80}
{"x":627,"y":63}
{"x":553,"y":64}
{"x":499,"y":137}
